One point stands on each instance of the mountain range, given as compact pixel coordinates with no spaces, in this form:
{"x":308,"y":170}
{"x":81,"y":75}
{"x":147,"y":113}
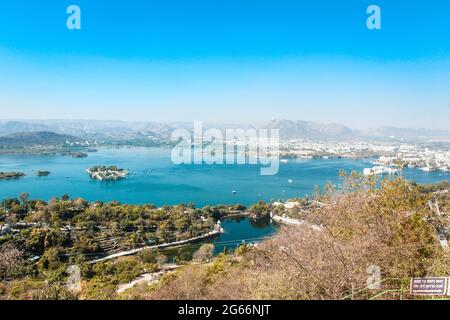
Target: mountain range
{"x":309,"y":130}
{"x":33,"y":132}
{"x":39,"y":138}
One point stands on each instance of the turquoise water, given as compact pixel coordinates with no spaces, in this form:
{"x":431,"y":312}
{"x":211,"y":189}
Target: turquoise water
{"x":237,"y":231}
{"x":155,"y":179}
{"x":241,"y":230}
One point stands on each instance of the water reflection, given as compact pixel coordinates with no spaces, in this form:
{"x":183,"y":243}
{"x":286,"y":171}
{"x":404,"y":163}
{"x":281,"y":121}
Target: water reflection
{"x":238,"y":230}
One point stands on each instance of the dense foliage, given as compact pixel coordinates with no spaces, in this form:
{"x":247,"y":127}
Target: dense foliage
{"x":357,"y":231}
{"x":346,"y":236}
{"x":39,"y":240}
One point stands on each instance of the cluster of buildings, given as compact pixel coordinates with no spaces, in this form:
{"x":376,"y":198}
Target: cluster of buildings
{"x":7,"y":229}
{"x":309,"y":149}
{"x":390,"y":155}
{"x":425,"y":159}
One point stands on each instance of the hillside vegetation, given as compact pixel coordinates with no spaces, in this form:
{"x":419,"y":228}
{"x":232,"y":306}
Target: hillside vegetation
{"x":349,"y":234}
{"x":41,"y":138}
{"x":362,"y":229}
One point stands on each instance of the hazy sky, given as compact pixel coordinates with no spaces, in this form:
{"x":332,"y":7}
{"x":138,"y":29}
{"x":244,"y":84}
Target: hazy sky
{"x":227,"y":61}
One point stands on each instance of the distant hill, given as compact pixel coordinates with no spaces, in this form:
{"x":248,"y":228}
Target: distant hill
{"x":40,"y":138}
{"x":290,"y":129}
{"x":143,"y":133}
{"x":21,"y":126}
{"x":406,"y":133}
{"x":99,"y":130}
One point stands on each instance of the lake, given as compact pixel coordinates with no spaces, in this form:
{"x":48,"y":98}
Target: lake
{"x":155,"y":179}
{"x":237,"y":231}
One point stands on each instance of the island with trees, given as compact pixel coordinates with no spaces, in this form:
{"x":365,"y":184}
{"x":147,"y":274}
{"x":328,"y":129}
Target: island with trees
{"x":79,"y":155}
{"x":11,"y":175}
{"x":43,"y":173}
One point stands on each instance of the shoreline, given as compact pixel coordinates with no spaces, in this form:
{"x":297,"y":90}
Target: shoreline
{"x":66,"y":151}
{"x":217,"y":231}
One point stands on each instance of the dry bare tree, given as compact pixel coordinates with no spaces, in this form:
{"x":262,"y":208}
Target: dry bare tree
{"x":11,"y":260}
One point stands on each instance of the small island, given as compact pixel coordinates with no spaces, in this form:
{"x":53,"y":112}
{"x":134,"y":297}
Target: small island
{"x":11,"y":175}
{"x":79,"y":155}
{"x":43,"y":173}
{"x":104,"y":173}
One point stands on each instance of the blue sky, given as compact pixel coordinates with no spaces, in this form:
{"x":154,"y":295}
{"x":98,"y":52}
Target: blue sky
{"x":227,"y":61}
